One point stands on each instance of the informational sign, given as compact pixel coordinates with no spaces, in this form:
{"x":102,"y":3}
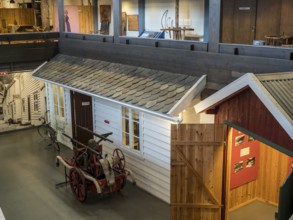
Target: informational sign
{"x":244,"y":159}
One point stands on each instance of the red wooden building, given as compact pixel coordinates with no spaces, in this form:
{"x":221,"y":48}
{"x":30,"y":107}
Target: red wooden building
{"x":260,"y":108}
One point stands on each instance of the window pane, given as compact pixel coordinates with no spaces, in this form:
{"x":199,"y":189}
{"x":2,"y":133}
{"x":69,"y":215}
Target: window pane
{"x":135,"y":141}
{"x":135,"y":129}
{"x":61,"y":102}
{"x":125,"y":112}
{"x":61,"y":112}
{"x":135,"y":115}
{"x":55,"y":97}
{"x":125,"y":139}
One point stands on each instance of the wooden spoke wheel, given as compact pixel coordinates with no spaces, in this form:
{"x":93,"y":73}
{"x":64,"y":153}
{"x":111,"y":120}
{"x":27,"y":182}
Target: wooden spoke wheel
{"x":78,"y":184}
{"x":118,"y":153}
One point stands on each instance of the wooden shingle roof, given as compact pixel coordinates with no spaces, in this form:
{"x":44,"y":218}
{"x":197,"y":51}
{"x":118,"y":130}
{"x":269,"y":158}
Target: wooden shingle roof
{"x":147,"y":89}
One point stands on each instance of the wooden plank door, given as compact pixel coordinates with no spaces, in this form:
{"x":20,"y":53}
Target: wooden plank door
{"x":82,"y":115}
{"x":197,"y":152}
{"x":244,"y":21}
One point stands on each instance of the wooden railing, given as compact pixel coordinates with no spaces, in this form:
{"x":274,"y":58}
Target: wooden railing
{"x":24,"y":38}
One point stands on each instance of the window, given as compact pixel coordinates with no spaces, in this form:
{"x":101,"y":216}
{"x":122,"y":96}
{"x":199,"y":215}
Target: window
{"x":168,"y":19}
{"x":130,"y":129}
{"x":23,"y":105}
{"x":36,"y":102}
{"x":58,"y":96}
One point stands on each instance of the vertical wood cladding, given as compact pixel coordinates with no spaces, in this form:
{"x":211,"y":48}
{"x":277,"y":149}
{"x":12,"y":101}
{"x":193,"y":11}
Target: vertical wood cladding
{"x":247,"y":111}
{"x":287,"y":17}
{"x":273,"y":17}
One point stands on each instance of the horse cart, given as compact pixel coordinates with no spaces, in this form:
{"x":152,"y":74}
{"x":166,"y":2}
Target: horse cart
{"x":90,"y":171}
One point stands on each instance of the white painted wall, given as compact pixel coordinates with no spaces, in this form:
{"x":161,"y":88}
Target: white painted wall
{"x":131,"y":8}
{"x":58,"y":123}
{"x":28,"y":87}
{"x":190,"y":116}
{"x":152,"y":167}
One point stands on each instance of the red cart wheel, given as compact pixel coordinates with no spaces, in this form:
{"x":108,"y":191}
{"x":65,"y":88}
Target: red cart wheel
{"x":118,"y":153}
{"x":78,"y":184}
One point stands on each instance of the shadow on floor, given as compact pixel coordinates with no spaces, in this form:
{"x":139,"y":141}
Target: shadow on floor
{"x":27,"y":189}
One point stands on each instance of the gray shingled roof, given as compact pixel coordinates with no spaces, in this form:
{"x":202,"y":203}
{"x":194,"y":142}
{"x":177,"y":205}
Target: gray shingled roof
{"x":150,"y":89}
{"x":280,"y":86}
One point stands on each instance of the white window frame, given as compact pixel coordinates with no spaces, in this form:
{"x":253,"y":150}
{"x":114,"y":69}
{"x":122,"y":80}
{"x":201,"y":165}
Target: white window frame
{"x":130,"y":124}
{"x":59,"y":110}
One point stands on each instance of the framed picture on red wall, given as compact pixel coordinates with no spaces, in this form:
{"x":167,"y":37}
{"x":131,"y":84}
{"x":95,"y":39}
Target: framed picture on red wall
{"x":244,"y":159}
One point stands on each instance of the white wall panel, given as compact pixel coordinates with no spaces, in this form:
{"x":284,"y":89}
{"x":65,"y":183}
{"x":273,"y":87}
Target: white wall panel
{"x":152,"y":166}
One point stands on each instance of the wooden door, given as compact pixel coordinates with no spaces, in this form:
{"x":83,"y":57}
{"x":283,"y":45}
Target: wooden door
{"x":197,"y":177}
{"x":244,"y":21}
{"x":82,"y":115}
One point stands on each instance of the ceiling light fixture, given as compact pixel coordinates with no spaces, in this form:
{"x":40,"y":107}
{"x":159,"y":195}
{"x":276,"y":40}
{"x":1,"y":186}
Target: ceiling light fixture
{"x":12,"y":1}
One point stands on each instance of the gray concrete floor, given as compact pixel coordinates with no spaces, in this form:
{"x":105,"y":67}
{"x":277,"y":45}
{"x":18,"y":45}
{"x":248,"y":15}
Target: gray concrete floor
{"x":256,"y":210}
{"x":27,"y":187}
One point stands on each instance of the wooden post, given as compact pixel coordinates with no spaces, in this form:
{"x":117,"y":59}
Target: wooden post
{"x":117,"y":19}
{"x":61,"y":15}
{"x":214,"y":25}
{"x":141,"y":16}
{"x":95,"y":16}
{"x":176,"y":13}
{"x":45,"y":9}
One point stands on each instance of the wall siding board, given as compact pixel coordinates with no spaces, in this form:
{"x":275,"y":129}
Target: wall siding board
{"x":254,"y":117}
{"x":268,"y":18}
{"x":151,"y":140}
{"x":286,"y":14}
{"x":30,"y":87}
{"x":152,"y":168}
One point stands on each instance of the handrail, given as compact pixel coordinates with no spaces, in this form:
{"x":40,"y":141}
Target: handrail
{"x":102,"y":136}
{"x":29,"y":36}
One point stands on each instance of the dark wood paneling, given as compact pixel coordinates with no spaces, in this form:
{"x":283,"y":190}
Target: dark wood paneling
{"x":244,"y":21}
{"x":268,"y":18}
{"x":287,"y":17}
{"x":247,"y":111}
{"x":227,"y":21}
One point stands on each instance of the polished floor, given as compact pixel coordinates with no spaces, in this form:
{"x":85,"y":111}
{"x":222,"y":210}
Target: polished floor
{"x":255,"y":210}
{"x":27,"y":187}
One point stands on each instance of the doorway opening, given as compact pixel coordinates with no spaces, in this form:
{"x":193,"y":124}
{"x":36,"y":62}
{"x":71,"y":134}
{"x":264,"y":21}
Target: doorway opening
{"x":82,"y":116}
{"x":255,"y":173}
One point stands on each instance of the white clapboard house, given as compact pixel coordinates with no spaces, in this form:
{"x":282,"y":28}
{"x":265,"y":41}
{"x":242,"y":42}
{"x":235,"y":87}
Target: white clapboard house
{"x":138,"y":105}
{"x":24,"y":100}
